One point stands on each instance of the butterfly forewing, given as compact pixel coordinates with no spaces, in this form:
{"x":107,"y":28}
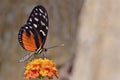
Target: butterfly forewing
{"x":39,"y":20}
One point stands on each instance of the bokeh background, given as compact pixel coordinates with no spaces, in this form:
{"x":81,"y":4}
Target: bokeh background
{"x":90,"y":30}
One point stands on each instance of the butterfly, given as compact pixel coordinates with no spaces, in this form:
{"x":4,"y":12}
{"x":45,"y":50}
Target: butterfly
{"x":32,"y":35}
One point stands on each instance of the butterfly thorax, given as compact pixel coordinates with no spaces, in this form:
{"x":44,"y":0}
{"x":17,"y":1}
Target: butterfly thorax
{"x":40,"y":50}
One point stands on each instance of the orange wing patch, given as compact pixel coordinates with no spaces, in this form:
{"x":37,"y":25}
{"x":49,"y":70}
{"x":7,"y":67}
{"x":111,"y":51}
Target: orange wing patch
{"x":28,"y":42}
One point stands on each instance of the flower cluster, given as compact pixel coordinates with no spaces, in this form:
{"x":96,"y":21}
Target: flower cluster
{"x":39,"y":68}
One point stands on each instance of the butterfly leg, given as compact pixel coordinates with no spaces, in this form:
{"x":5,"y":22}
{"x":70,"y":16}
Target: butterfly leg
{"x":35,"y":55}
{"x":26,"y":57}
{"x":44,"y":53}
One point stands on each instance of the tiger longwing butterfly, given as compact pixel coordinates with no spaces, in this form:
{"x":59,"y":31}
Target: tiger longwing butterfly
{"x":32,"y":35}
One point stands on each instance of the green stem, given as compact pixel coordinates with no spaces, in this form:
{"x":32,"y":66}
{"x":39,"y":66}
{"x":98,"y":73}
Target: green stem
{"x":40,"y":78}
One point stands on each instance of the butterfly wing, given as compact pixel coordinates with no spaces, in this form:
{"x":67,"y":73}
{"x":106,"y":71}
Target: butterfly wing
{"x":39,"y":20}
{"x":33,"y":34}
{"x":28,"y":38}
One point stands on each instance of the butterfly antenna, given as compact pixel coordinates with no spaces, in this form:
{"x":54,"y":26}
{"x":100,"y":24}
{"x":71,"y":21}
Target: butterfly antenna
{"x":55,"y":46}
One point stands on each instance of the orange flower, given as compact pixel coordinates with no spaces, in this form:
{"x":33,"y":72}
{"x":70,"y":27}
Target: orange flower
{"x":39,"y":68}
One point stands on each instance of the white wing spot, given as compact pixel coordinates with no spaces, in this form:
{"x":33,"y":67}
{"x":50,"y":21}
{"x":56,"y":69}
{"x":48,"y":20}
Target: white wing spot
{"x":36,"y":9}
{"x":43,"y":16}
{"x":36,"y":13}
{"x":36,"y":19}
{"x":26,"y":27}
{"x":29,"y":23}
{"x":23,"y":29}
{"x":47,"y":27}
{"x":41,"y":11}
{"x":42,"y":23}
{"x":31,"y":27}
{"x":46,"y":19}
{"x":40,"y":14}
{"x":20,"y":40}
{"x":30,"y":20}
{"x":35,"y":25}
{"x":43,"y":33}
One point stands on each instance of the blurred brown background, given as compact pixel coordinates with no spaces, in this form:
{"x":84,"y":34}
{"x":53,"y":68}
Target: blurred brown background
{"x":89,"y":29}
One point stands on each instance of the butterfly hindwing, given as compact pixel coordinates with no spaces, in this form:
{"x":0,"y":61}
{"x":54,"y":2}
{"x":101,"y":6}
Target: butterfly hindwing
{"x":29,"y":38}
